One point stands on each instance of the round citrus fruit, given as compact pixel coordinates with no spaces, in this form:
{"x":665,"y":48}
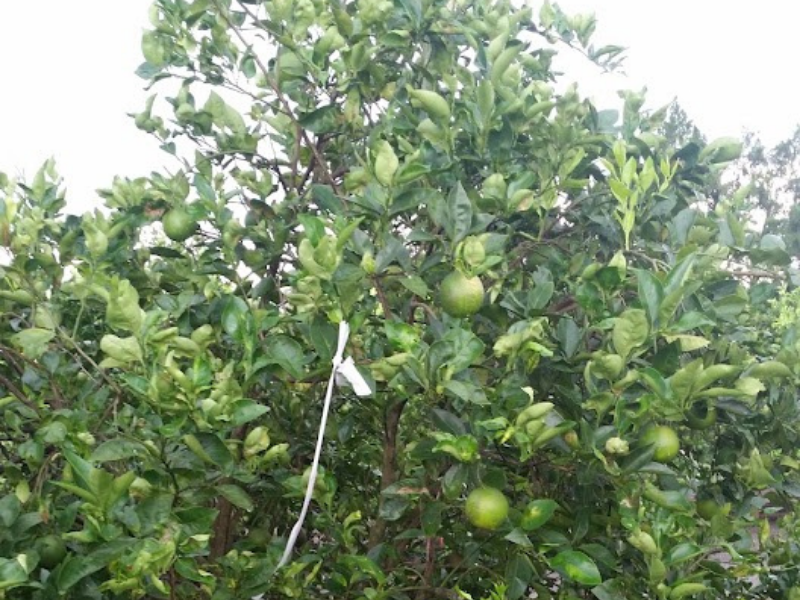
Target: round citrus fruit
{"x":486,"y":508}
{"x":708,"y":508}
{"x":51,"y":549}
{"x":572,"y":440}
{"x":178,"y":224}
{"x":702,"y":416}
{"x":259,"y":537}
{"x":664,"y":441}
{"x":461,"y":296}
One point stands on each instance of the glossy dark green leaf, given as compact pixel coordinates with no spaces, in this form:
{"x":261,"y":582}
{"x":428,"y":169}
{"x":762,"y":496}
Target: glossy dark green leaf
{"x":75,"y":568}
{"x":577,"y":566}
{"x":236,"y":496}
{"x":651,"y":294}
{"x":631,"y":330}
{"x":232,"y":313}
{"x":117,"y":449}
{"x":10,"y":508}
{"x":247,"y":410}
{"x":448,"y":422}
{"x":569,"y":336}
{"x":12,"y":573}
{"x":287,"y":353}
{"x":537,"y":513}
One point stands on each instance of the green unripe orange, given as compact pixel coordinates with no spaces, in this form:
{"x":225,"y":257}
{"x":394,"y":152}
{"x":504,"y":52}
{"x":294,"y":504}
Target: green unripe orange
{"x":486,"y":508}
{"x":178,"y":225}
{"x":664,"y":441}
{"x":51,"y":549}
{"x":461,"y":296}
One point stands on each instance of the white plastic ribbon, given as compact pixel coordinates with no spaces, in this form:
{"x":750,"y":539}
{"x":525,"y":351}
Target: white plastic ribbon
{"x":342,"y":371}
{"x":348,"y":373}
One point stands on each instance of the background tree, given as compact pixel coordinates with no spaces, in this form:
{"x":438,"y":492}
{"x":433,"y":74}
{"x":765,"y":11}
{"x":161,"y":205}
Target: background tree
{"x":616,"y":419}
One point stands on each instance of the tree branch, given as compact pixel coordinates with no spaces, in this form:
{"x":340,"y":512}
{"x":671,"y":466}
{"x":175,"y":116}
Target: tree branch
{"x":17,"y":393}
{"x":389,"y":469}
{"x":275,"y":88}
{"x":387,"y":311}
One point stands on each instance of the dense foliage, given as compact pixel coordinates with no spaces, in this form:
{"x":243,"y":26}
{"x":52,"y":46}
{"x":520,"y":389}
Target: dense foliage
{"x":623,"y":383}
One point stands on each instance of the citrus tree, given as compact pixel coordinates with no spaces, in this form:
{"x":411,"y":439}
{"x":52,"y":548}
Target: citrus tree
{"x":577,"y":387}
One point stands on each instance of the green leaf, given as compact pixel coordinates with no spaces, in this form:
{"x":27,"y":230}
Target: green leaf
{"x":386,"y":163}
{"x":75,"y":568}
{"x":81,"y":469}
{"x":232,"y":314}
{"x":611,"y":589}
{"x":671,"y":499}
{"x":119,"y":489}
{"x":540,"y":295}
{"x":154,"y":48}
{"x":117,"y":449}
{"x":402,"y":336}
{"x":713,"y":373}
{"x":448,"y":422}
{"x":577,"y":566}
{"x":688,"y":343}
{"x":246,"y":410}
{"x":537,"y":513}
{"x":236,"y":496}
{"x":321,"y":120}
{"x":216,"y":449}
{"x":288,"y":354}
{"x":691,"y":320}
{"x":454,"y":481}
{"x":456,"y":217}
{"x":122,"y":351}
{"x":10,"y":509}
{"x":415,"y":285}
{"x":651,"y":295}
{"x":464,"y":448}
{"x":683,"y":552}
{"x":569,"y":336}
{"x":155,"y":510}
{"x":732,"y":234}
{"x":730,"y":307}
{"x":466,"y":391}
{"x":638,"y":459}
{"x":769,"y":369}
{"x":683,"y":381}
{"x":722,"y":150}
{"x":518,"y":537}
{"x":655,"y":382}
{"x":630,"y":331}
{"x":33,"y":342}
{"x":123,"y":311}
{"x":12,"y":573}
{"x":679,"y":275}
{"x":80,"y":492}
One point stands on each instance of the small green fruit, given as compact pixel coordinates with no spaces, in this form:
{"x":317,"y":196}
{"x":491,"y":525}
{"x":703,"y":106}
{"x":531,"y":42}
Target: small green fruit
{"x":664,"y":441}
{"x":178,"y":225}
{"x":486,"y":508}
{"x":461,"y":296}
{"x":51,"y":549}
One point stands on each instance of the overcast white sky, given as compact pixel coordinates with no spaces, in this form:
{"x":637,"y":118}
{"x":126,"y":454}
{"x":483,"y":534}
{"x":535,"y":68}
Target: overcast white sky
{"x":68,"y":76}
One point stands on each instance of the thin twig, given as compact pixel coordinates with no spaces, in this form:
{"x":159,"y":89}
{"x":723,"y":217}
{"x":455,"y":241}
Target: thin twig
{"x":91,"y":361}
{"x":389,"y":469}
{"x":11,"y":356}
{"x":387,"y":312}
{"x":428,"y":310}
{"x":281,"y":98}
{"x":18,"y":394}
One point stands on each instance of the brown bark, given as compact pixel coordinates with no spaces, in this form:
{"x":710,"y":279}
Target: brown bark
{"x":221,"y":539}
{"x":225,"y":524}
{"x":389,"y":469}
